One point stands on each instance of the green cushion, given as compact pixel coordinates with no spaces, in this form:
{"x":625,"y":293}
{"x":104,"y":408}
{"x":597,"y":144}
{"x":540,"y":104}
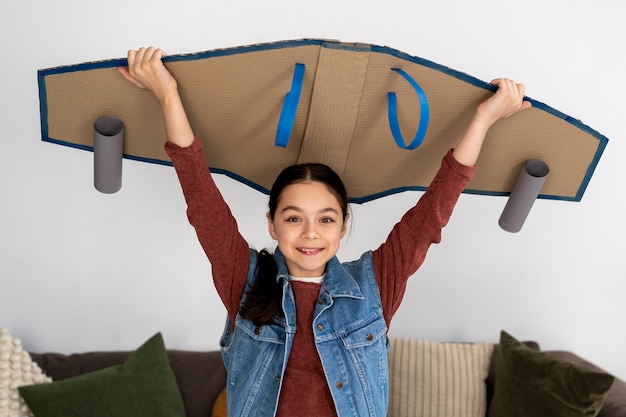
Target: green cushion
{"x":533,"y":383}
{"x":143,"y":386}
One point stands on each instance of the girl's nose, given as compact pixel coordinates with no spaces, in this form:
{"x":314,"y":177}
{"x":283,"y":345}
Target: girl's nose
{"x":310,"y":233}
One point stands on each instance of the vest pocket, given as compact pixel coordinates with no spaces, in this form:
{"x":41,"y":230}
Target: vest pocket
{"x":271,"y":334}
{"x":365,"y":336}
{"x":366,"y":353}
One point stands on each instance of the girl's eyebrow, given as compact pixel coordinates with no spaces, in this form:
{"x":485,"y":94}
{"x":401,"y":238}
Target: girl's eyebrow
{"x":298,"y":209}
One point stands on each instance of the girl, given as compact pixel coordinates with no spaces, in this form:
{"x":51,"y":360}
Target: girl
{"x":306,"y":335}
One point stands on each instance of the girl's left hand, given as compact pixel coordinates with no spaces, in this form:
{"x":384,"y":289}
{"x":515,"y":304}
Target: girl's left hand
{"x":508,"y":99}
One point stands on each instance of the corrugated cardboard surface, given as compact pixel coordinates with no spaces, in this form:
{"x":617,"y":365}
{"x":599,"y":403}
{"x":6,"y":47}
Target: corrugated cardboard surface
{"x":234,"y":102}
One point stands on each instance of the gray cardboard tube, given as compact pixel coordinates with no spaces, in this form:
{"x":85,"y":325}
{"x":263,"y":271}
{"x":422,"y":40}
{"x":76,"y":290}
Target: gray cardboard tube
{"x":524,"y":194}
{"x":108,"y":148}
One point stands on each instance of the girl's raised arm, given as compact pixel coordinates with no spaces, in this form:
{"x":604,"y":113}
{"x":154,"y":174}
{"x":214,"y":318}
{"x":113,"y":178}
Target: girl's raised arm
{"x":146,"y":70}
{"x":508,"y":99}
{"x":406,"y":246}
{"x":207,"y":211}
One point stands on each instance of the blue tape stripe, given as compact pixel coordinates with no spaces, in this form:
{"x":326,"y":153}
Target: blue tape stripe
{"x":290,"y":108}
{"x":393,"y":114}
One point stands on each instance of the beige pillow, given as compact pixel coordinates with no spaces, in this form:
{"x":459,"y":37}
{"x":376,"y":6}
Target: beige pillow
{"x":16,"y":369}
{"x":438,"y":379}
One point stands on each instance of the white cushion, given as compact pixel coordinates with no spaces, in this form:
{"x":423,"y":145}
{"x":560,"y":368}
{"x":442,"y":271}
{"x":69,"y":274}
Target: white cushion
{"x":16,"y":369}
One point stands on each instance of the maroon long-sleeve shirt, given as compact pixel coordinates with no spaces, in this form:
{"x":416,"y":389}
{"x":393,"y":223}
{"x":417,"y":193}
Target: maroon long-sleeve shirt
{"x":305,"y":391}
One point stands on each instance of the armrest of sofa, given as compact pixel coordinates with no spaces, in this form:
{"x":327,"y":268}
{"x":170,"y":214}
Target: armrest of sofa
{"x":201,"y":376}
{"x":615,"y":402}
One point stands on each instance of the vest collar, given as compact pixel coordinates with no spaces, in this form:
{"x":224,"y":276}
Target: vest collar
{"x":337,"y":281}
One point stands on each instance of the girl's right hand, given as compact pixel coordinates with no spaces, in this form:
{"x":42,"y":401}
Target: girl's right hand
{"x":146,"y":70}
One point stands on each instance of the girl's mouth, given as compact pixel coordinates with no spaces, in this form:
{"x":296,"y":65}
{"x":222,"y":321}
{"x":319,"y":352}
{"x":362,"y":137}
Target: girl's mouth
{"x":309,"y":251}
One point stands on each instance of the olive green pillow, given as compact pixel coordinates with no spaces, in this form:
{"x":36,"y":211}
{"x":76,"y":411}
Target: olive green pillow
{"x":533,"y":383}
{"x":143,"y":386}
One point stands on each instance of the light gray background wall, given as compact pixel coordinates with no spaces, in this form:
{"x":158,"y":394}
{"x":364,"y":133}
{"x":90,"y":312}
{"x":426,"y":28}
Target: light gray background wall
{"x":80,"y":270}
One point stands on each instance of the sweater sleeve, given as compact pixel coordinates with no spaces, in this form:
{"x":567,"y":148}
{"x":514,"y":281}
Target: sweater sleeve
{"x":213,"y":222}
{"x":405,"y":248}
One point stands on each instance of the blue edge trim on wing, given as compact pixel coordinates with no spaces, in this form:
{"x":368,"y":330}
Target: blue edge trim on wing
{"x":41,"y":74}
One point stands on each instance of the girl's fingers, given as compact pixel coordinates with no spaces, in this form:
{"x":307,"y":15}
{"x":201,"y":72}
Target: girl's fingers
{"x":136,"y":60}
{"x":151,"y":53}
{"x":143,"y":58}
{"x":131,"y":57}
{"x":508,"y":99}
{"x":509,"y":85}
{"x":124,"y":71}
{"x":522,"y":90}
{"x":148,"y":53}
{"x":146,"y":70}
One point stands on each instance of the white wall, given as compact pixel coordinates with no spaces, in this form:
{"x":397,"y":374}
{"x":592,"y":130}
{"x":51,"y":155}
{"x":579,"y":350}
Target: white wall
{"x":80,"y":270}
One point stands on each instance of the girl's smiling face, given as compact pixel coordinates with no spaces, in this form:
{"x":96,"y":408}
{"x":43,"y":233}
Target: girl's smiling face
{"x":308,"y":225}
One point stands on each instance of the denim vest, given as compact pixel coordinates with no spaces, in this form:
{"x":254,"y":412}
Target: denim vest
{"x":350,"y":335}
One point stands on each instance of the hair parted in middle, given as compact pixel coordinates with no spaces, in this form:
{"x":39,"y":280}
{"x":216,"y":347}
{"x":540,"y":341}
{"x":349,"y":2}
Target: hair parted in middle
{"x":307,"y":172}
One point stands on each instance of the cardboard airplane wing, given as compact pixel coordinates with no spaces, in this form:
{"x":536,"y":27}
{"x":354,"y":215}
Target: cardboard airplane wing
{"x":381,"y":118}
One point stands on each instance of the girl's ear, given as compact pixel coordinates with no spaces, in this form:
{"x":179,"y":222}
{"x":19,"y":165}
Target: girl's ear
{"x":270,"y":226}
{"x":344,"y":226}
